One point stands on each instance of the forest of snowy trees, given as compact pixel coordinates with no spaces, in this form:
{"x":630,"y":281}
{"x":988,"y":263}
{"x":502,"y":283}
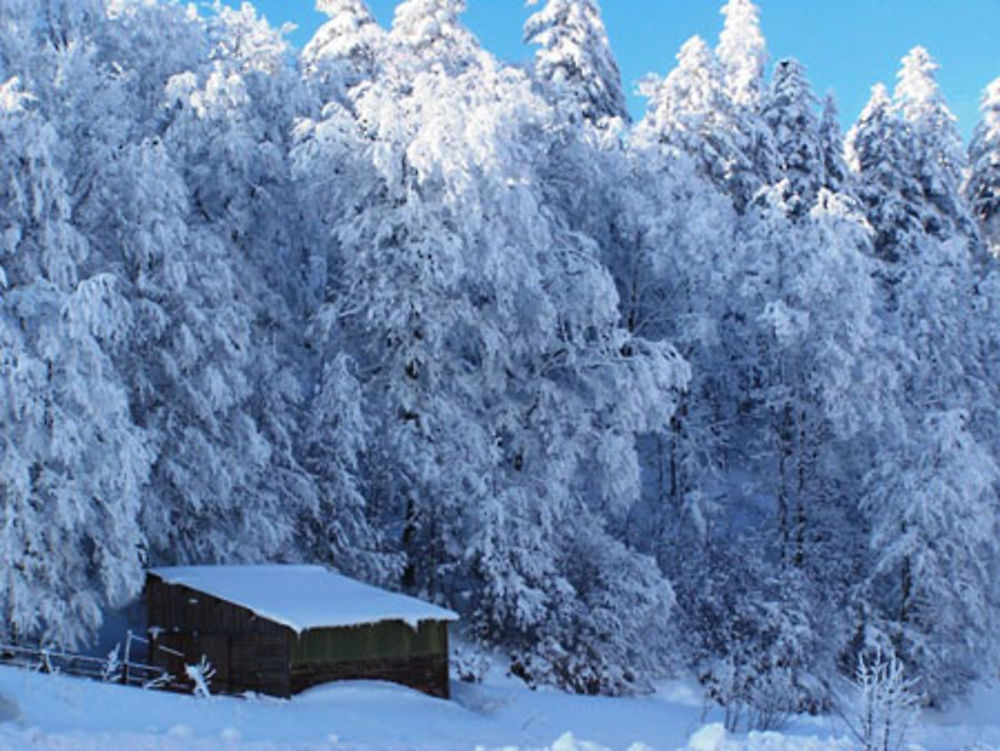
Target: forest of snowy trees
{"x":713,"y":391}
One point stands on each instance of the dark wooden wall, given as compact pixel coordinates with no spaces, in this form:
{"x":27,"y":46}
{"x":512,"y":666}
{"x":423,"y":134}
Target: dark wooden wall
{"x":251,"y":653}
{"x":386,"y":651}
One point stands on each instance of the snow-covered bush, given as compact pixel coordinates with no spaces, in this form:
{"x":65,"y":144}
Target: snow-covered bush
{"x":468,"y":663}
{"x":112,"y":670}
{"x":886,"y":703}
{"x":200,"y":674}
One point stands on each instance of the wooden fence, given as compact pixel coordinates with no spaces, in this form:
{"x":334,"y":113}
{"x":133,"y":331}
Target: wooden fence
{"x":115,"y":668}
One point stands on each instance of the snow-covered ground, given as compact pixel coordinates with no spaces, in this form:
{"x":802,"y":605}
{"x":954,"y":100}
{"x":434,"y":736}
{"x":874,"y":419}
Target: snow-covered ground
{"x":54,"y":713}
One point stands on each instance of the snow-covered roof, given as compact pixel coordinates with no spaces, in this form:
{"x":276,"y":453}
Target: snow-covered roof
{"x":303,"y":597}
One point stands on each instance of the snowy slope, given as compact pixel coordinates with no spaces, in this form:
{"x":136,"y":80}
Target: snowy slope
{"x":57,"y":713}
{"x":46,"y":713}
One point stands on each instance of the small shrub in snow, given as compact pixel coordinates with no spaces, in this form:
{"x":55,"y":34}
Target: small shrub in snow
{"x":886,"y":705}
{"x":201,"y":676}
{"x":112,"y":671}
{"x":468,"y":664}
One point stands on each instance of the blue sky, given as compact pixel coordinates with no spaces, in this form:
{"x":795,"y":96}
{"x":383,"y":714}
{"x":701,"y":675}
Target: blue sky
{"x":846,"y":45}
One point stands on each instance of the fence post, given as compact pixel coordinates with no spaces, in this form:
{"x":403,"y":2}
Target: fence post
{"x":128,"y":656}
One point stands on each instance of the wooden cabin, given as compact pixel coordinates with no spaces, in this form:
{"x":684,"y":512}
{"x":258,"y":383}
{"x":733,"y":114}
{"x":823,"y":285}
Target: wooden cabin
{"x":278,"y":630}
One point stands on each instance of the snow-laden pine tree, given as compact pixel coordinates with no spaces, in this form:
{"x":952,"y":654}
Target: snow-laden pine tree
{"x":789,"y":110}
{"x":908,"y":170}
{"x":344,"y":51}
{"x":689,"y":114}
{"x":676,"y":221}
{"x":796,"y":334}
{"x":933,"y":516}
{"x":574,"y":60}
{"x":429,"y":32}
{"x":879,"y":157}
{"x":72,"y":464}
{"x":835,"y":170}
{"x":742,"y":52}
{"x":982,"y":189}
{"x":682,"y":107}
{"x":937,"y":144}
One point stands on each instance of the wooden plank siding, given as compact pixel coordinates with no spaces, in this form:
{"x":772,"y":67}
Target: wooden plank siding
{"x":388,"y":651}
{"x":252,"y":653}
{"x":249,"y":653}
{"x":426,"y":674}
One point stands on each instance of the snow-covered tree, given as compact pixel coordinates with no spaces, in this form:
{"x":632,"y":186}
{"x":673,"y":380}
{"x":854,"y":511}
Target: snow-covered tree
{"x":690,"y":114}
{"x":754,"y":637}
{"x":983,"y":187}
{"x":886,"y":705}
{"x":486,"y":336}
{"x":188,"y":371}
{"x":742,"y":52}
{"x":790,"y":112}
{"x":674,"y":220}
{"x":908,"y":164}
{"x":62,"y":21}
{"x":880,"y":158}
{"x":72,"y":464}
{"x":807,"y":298}
{"x":575,"y":58}
{"x":936,"y":143}
{"x":429,"y":32}
{"x":345,"y":50}
{"x":152,"y":41}
{"x":932,"y":508}
{"x":796,"y":332}
{"x":176,"y":188}
{"x":225,"y":342}
{"x":837,"y":176}
{"x":16,"y":39}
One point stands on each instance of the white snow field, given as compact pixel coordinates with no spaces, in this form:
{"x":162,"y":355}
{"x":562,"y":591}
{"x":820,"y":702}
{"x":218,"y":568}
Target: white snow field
{"x":55,"y":713}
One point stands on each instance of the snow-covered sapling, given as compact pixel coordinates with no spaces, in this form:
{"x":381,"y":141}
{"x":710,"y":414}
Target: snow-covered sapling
{"x":200,"y":675}
{"x":112,"y":670}
{"x":887,"y":703}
